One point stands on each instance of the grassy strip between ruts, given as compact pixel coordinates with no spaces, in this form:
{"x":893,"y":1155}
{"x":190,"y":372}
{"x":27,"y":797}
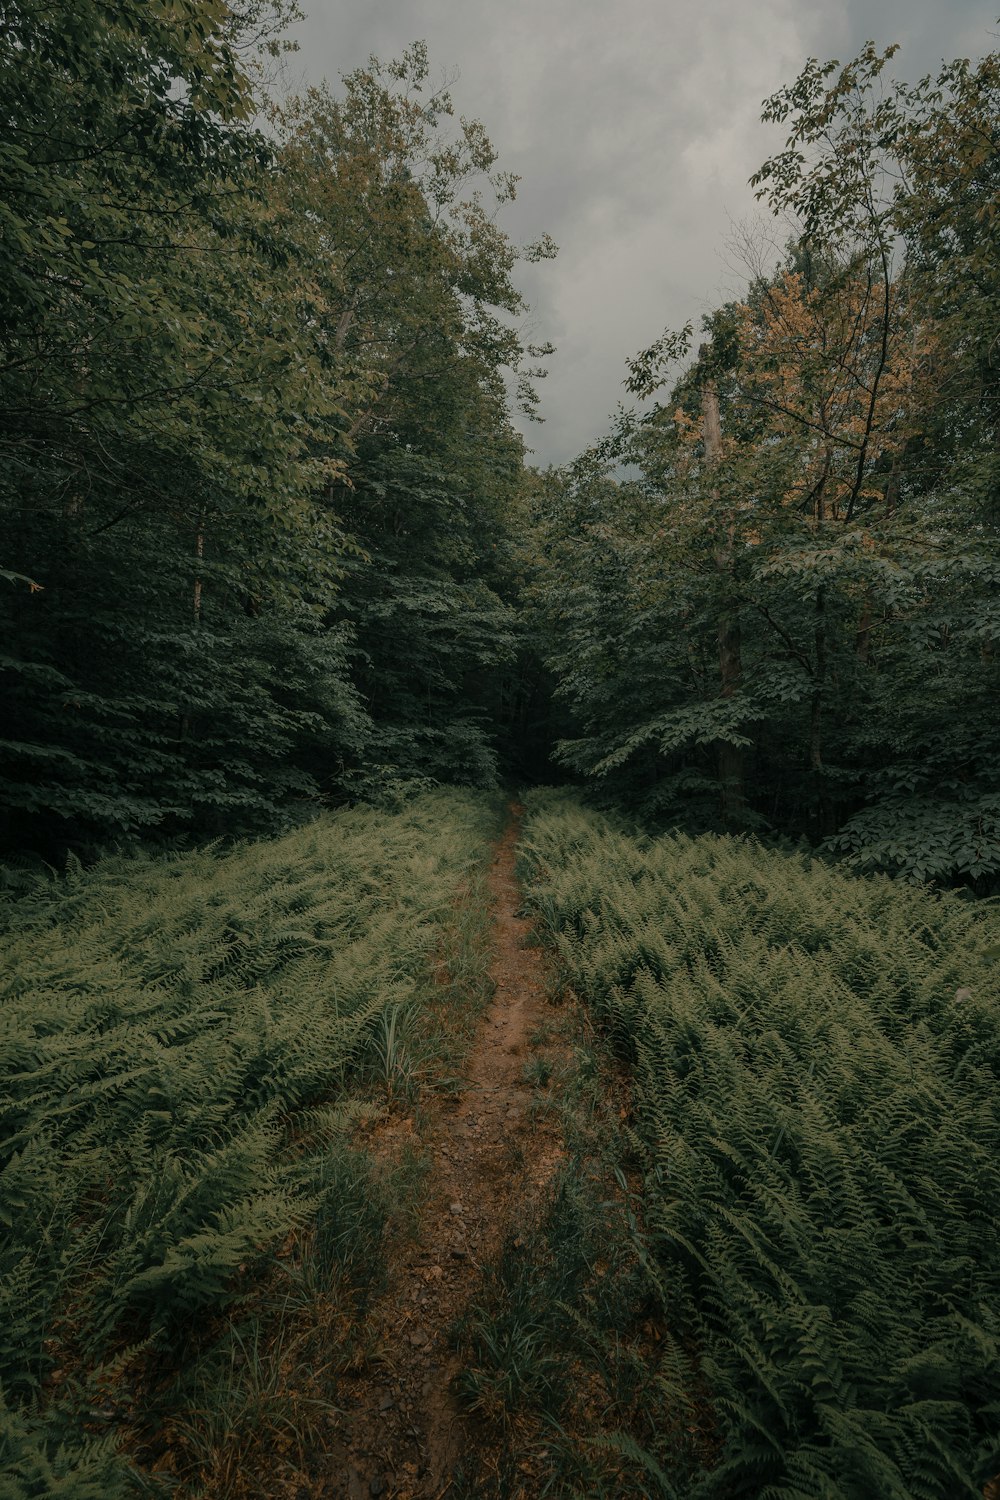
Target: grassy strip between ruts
{"x":188,"y":1045}
{"x":815,"y":1124}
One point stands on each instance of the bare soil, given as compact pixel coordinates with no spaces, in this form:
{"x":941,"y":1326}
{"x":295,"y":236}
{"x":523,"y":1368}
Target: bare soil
{"x":491,"y":1154}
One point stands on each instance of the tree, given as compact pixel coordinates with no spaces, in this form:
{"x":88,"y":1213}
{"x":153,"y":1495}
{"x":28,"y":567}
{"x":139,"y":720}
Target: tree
{"x":877,"y":166}
{"x":414,"y":306}
{"x":219,"y":349}
{"x":814,"y":519}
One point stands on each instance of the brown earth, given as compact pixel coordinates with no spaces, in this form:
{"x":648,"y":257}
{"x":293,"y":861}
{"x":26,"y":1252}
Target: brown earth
{"x":490,"y":1154}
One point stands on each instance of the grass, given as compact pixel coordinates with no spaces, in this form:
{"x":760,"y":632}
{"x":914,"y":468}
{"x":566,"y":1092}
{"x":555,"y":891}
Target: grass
{"x":568,"y":1370}
{"x":537,"y":1072}
{"x":255,"y":1402}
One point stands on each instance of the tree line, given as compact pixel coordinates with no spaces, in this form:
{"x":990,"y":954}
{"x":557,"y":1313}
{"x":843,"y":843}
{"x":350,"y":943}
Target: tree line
{"x":770,"y":597}
{"x":269,"y":533}
{"x":256,"y":438}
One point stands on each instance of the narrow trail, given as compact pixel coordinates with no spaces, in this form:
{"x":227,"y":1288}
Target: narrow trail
{"x":490,"y":1154}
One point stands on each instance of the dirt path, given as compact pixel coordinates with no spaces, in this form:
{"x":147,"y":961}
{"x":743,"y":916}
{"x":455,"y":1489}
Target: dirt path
{"x":489,"y":1154}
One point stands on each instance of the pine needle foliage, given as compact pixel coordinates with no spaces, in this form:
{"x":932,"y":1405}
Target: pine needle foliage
{"x":815,"y":1063}
{"x":183,"y":1040}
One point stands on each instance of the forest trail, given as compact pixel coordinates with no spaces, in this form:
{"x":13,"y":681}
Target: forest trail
{"x":489,"y":1155}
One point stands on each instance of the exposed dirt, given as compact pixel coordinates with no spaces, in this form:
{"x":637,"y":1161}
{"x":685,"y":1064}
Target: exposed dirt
{"x":490,"y":1153}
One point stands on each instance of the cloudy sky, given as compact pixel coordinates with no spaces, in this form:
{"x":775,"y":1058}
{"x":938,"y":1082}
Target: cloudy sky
{"x":634,"y":126}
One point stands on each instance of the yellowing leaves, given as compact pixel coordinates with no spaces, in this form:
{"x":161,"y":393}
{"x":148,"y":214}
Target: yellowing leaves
{"x":834,"y":367}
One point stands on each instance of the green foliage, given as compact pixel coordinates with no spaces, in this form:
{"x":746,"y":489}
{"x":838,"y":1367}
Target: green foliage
{"x":240,"y":1397}
{"x":778,"y":612}
{"x":230,"y":362}
{"x":32,"y":1465}
{"x":815,"y":1063}
{"x":432,"y":631}
{"x":181,"y":1037}
{"x":143,"y":467}
{"x":559,"y":1333}
{"x":568,"y":1360}
{"x":127,"y":717}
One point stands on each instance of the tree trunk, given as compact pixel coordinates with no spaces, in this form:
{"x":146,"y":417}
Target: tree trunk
{"x":199,"y":553}
{"x":863,"y":635}
{"x":730,"y":756}
{"x":821,"y":802}
{"x":730,"y":646}
{"x":184,"y":718}
{"x":824,"y":807}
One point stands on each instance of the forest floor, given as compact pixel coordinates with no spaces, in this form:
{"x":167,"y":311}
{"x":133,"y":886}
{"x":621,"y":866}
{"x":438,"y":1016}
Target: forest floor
{"x":490,"y":1154}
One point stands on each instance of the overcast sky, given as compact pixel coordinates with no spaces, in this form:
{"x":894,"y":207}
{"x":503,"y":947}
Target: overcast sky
{"x":634,"y":126}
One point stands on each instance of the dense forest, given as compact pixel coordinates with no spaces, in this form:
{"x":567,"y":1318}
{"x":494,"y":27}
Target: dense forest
{"x":258,"y":461}
{"x":269,"y":534}
{"x":786,"y":617}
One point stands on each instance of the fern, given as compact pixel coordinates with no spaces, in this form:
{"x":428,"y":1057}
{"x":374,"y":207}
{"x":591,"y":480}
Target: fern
{"x":167,"y":1027}
{"x":815,"y":1064}
{"x":33,"y":1464}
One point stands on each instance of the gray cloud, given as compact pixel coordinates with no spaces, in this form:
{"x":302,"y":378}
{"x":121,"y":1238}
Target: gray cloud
{"x":634,"y":129}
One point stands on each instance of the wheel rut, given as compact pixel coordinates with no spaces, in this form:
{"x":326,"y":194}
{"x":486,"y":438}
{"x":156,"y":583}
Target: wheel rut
{"x":491,"y":1155}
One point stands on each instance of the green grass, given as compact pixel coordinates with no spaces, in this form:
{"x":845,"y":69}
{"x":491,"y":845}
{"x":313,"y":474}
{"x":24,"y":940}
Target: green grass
{"x":187,"y":1045}
{"x":562,"y":1365}
{"x":816,"y":1126}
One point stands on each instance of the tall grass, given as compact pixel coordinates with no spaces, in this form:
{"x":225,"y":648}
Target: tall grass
{"x":185,"y":1044}
{"x":817,"y":1119}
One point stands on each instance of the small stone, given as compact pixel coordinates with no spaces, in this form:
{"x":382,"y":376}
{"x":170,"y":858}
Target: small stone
{"x":456,"y":1209}
{"x":458,"y":1254}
